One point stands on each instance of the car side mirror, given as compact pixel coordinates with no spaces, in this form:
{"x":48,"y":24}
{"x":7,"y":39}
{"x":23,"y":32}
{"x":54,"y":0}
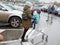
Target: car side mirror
{"x":4,"y":9}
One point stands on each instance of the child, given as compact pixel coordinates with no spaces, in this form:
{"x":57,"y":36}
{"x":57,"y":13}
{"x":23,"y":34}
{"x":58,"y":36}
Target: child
{"x":36,"y":17}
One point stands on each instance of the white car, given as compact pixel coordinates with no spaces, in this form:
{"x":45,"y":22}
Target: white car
{"x":10,"y":15}
{"x":19,"y":7}
{"x":58,"y":10}
{"x":44,"y":8}
{"x":16,"y":7}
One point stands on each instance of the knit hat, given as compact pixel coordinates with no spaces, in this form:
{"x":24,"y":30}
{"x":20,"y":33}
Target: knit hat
{"x":29,"y":4}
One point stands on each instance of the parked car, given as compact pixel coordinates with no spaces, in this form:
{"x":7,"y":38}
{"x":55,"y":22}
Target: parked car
{"x":21,"y":4}
{"x":18,"y":7}
{"x":57,"y":11}
{"x":44,"y":8}
{"x":10,"y":15}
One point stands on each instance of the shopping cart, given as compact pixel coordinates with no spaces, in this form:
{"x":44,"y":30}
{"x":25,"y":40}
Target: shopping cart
{"x":37,"y":36}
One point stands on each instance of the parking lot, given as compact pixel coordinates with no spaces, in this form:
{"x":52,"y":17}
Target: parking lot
{"x":52,"y":30}
{"x":12,"y":15}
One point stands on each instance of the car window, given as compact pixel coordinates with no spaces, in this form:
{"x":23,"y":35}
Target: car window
{"x":5,"y":7}
{"x":1,"y":7}
{"x":11,"y":7}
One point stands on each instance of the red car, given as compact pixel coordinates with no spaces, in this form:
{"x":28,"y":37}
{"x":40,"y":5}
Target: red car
{"x":35,"y":8}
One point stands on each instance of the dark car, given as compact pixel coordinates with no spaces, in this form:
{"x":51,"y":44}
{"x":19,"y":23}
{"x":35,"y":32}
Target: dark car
{"x":55,"y":12}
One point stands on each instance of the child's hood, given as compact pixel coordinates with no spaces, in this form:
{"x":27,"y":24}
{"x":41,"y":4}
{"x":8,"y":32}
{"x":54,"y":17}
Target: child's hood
{"x":35,"y":12}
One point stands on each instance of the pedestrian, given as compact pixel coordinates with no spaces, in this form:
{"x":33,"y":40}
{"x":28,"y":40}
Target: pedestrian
{"x":27,"y":23}
{"x":36,"y":17}
{"x":49,"y":11}
{"x":52,"y":9}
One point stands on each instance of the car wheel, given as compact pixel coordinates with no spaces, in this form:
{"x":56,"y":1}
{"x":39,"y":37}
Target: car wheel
{"x":15,"y":22}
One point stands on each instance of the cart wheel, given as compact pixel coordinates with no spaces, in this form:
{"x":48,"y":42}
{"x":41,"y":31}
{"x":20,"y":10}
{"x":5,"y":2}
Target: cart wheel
{"x":21,"y":43}
{"x":46,"y":39}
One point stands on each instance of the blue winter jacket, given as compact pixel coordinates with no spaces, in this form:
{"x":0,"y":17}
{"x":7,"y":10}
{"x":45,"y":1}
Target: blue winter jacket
{"x":36,"y":17}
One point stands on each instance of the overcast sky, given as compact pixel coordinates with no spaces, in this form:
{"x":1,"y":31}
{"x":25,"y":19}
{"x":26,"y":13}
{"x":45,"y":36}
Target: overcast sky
{"x":49,"y":0}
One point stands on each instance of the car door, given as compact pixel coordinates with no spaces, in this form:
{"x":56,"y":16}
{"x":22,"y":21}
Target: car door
{"x":3,"y":14}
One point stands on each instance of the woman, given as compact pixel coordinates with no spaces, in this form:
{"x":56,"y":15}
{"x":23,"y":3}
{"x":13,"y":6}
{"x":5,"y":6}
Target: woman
{"x":27,"y":23}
